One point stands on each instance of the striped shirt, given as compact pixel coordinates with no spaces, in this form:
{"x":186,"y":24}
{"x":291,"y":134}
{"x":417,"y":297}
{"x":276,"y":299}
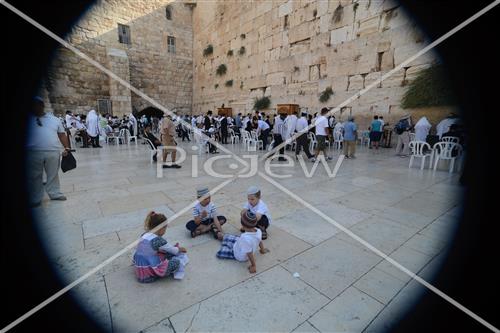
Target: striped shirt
{"x":199,"y":209}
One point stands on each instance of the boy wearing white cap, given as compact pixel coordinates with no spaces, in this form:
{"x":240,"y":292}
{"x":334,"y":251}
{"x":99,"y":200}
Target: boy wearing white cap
{"x":259,"y":208}
{"x":242,"y":248}
{"x":205,"y":216}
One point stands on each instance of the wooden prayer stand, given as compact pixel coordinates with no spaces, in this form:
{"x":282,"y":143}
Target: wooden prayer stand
{"x":287,"y":109}
{"x":226,"y":112}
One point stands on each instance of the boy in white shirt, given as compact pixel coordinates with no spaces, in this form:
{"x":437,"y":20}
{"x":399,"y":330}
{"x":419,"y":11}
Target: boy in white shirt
{"x":259,"y":208}
{"x":242,"y":248}
{"x":205,"y":216}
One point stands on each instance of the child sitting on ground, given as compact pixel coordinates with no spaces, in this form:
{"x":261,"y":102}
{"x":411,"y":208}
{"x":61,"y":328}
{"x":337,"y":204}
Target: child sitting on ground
{"x":154,"y":256}
{"x":259,"y":208}
{"x":205,"y":216}
{"x":242,"y":248}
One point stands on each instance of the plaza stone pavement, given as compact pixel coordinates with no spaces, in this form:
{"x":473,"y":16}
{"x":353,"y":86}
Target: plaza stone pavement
{"x":409,"y":214}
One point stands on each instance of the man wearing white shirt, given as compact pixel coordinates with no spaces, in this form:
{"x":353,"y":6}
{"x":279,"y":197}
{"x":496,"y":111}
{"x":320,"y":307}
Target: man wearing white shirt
{"x":278,"y":134}
{"x":262,"y":131}
{"x":322,"y":129}
{"x":302,"y":142}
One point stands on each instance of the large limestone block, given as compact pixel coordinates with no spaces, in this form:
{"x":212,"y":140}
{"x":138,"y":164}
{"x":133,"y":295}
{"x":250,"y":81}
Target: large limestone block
{"x":393,"y":18}
{"x":342,"y":15}
{"x":339,"y":83}
{"x":313,"y":72}
{"x":368,"y":26}
{"x":363,"y":63}
{"x":319,"y":42}
{"x":404,"y":53}
{"x":356,"y":82}
{"x":372,"y":78}
{"x":300,"y":32}
{"x":387,"y":61}
{"x":275,"y":78}
{"x":341,"y":35}
{"x":285,"y":9}
{"x":322,"y":7}
{"x":394,"y":80}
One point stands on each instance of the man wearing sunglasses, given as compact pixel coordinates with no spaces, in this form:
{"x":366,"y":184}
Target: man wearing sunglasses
{"x":45,"y":136}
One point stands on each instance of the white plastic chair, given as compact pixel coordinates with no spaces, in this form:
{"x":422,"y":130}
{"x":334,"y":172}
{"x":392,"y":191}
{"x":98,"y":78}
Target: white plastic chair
{"x":152,"y":150}
{"x":364,"y":138}
{"x":338,"y":139}
{"x":233,"y":137}
{"x":122,"y":136}
{"x":418,"y":149}
{"x":130,"y":137}
{"x":450,"y":139}
{"x":254,"y":143}
{"x":245,"y":137}
{"x":412,"y":136}
{"x":444,"y":151}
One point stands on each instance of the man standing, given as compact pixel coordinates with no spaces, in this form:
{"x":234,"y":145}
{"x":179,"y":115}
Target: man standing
{"x":93,"y":128}
{"x":223,"y":129}
{"x":167,"y":140}
{"x":350,"y":135}
{"x":237,"y":121}
{"x":208,"y":121}
{"x":321,"y":124}
{"x":402,"y":129}
{"x":46,"y":134}
{"x":302,"y":141}
{"x":262,"y":131}
{"x":278,"y":134}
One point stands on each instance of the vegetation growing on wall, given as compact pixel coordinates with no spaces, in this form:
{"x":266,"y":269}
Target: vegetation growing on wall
{"x":338,"y":13}
{"x":229,"y":83}
{"x":229,"y":53}
{"x":430,"y":88}
{"x":261,"y":103}
{"x":242,"y":50}
{"x":221,"y":70}
{"x":208,"y":50}
{"x":325,"y":95}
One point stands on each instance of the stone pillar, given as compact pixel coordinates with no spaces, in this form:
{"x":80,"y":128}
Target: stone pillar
{"x":119,"y":95}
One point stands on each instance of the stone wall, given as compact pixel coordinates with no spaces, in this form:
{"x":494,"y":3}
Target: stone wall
{"x":74,"y":84}
{"x":296,"y":49}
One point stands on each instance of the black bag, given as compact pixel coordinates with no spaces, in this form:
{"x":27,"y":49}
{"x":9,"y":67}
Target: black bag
{"x":68,"y":162}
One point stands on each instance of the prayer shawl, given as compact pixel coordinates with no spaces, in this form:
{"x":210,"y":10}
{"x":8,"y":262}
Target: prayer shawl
{"x":133,"y":122}
{"x":422,"y":128}
{"x":444,"y":126}
{"x":92,"y":124}
{"x":290,"y":124}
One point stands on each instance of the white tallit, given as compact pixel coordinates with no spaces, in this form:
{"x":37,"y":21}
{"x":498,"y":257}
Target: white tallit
{"x":92,"y":124}
{"x":422,"y":128}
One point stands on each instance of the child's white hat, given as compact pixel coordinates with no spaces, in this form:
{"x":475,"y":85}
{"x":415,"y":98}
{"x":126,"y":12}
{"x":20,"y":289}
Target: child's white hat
{"x":253,"y":190}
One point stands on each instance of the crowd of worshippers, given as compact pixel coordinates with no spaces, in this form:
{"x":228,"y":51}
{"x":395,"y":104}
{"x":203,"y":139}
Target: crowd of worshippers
{"x":423,"y":131}
{"x":87,"y":129}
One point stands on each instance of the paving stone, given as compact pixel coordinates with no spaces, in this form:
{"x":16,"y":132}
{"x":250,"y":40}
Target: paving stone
{"x":351,"y":311}
{"x":246,"y":307}
{"x":332,"y":266}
